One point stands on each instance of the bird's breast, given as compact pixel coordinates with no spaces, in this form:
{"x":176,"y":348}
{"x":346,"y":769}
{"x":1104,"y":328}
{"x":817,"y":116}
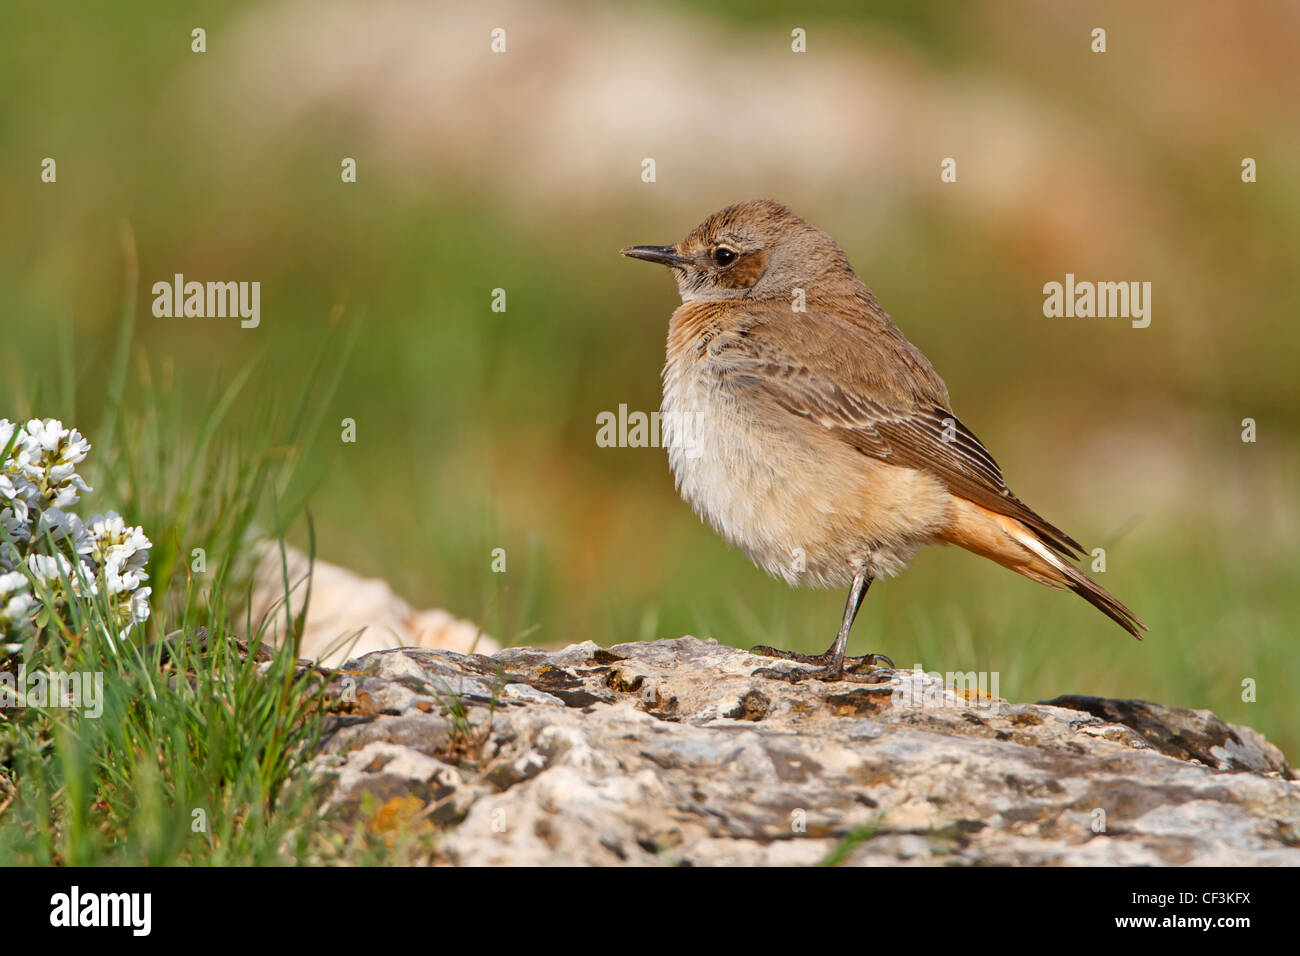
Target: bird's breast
{"x":748,"y":475}
{"x":800,"y":503}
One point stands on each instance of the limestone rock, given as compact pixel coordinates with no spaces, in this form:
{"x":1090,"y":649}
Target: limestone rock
{"x":670,"y":752}
{"x":350,"y":615}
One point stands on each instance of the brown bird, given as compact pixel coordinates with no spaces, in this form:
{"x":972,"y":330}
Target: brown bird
{"x":811,"y":434}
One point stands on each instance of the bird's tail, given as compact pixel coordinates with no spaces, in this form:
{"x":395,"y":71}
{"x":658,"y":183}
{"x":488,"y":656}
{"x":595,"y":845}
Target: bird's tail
{"x":1014,"y":545}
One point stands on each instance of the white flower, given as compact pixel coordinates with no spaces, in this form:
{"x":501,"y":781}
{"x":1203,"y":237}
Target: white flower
{"x":120,"y":551}
{"x":47,"y":455}
{"x":119,"y":577}
{"x":140,"y":605}
{"x":52,"y":570}
{"x":15,"y":526}
{"x":7,"y":429}
{"x":105,"y":559}
{"x":110,"y":531}
{"x":62,"y":445}
{"x":65,"y":530}
{"x":16,"y":603}
{"x":48,"y":569}
{"x":16,"y":489}
{"x":16,"y":492}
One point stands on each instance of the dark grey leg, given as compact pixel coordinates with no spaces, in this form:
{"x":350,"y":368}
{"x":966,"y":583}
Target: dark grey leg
{"x":861,"y":581}
{"x":833,"y":659}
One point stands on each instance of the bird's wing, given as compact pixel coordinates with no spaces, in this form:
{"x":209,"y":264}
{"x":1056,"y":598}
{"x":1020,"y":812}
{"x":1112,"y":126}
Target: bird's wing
{"x":868,"y":389}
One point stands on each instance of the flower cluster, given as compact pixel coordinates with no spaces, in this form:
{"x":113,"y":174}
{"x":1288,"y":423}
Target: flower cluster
{"x":47,"y":553}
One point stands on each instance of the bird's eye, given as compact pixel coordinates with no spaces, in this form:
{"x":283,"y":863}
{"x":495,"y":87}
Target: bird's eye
{"x":724,"y":256}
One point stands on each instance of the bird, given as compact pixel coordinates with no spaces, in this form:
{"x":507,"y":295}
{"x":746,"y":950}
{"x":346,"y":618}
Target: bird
{"x":811,"y":434}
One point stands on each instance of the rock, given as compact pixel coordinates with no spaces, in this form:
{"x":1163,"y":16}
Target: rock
{"x":670,"y":752}
{"x":351,"y":615}
{"x":1186,"y":734}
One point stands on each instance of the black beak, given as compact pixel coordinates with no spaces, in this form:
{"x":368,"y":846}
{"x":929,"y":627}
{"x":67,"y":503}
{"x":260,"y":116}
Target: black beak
{"x":664,"y":255}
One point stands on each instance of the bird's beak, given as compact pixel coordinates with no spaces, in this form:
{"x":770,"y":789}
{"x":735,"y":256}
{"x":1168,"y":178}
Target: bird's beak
{"x":664,"y":255}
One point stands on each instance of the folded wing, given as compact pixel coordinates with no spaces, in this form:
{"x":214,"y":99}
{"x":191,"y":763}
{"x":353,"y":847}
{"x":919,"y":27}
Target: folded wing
{"x":861,"y":398}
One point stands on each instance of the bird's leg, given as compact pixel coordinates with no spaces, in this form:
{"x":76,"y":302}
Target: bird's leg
{"x":833,"y":660}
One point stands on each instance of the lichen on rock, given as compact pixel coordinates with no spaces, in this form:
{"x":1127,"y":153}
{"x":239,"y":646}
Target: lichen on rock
{"x":670,"y":752}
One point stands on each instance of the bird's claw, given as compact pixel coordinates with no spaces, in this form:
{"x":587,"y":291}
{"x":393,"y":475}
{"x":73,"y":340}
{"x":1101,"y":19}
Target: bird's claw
{"x":879,"y":666}
{"x":869,"y":660}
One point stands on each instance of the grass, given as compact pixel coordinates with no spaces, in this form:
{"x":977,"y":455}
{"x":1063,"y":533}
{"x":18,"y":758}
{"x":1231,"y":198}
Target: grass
{"x":850,"y":842}
{"x":197,"y":755}
{"x":195,"y":760}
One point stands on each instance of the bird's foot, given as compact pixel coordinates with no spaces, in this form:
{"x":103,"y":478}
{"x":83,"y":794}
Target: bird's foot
{"x":878,"y":666}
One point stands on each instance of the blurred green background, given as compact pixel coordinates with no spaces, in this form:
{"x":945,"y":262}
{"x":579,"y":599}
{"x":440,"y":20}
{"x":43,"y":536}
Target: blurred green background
{"x":522,"y":171}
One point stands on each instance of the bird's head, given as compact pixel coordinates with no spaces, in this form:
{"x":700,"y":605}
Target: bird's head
{"x":753,"y":250}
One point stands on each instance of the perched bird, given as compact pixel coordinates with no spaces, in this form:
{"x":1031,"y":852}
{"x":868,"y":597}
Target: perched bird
{"x":811,"y":434}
